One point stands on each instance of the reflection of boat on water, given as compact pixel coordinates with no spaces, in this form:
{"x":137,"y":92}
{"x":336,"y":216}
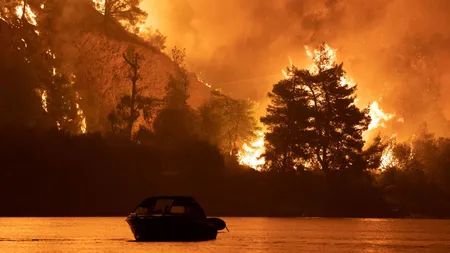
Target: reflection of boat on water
{"x":172,"y":218}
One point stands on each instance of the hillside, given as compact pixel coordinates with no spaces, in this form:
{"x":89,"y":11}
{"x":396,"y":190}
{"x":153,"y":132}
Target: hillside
{"x":96,"y":59}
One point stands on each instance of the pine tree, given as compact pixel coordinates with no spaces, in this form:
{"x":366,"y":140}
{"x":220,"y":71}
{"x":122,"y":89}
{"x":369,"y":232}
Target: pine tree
{"x":288,"y":125}
{"x":328,"y":133}
{"x":338,"y":123}
{"x":126,"y":12}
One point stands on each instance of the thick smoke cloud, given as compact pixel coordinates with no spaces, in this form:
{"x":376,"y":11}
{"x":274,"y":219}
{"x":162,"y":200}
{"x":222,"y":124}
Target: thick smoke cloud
{"x":396,"y":50}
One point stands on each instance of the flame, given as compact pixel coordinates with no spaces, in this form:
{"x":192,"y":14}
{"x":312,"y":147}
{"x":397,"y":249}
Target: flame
{"x":286,"y":74}
{"x":99,"y":5}
{"x":250,"y":153}
{"x":321,"y":61}
{"x":387,"y":158}
{"x":200,"y":79}
{"x":378,"y":116}
{"x":378,"y":119}
{"x":326,"y":60}
{"x":43,"y":95}
{"x":80,"y":113}
{"x":29,"y":14}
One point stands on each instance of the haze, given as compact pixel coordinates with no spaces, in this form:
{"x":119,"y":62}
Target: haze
{"x":396,"y":50}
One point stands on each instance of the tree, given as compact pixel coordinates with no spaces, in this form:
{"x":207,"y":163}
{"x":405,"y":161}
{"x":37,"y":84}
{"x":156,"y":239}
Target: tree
{"x":177,"y":88}
{"x":287,"y":122}
{"x":228,"y":122}
{"x":19,"y":103}
{"x":39,"y":63}
{"x":123,"y":11}
{"x":374,"y":152}
{"x":176,"y":126}
{"x":123,"y":118}
{"x":154,"y":38}
{"x":333,"y":139}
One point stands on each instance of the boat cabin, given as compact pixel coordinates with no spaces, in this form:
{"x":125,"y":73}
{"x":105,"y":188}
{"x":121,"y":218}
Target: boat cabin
{"x":170,"y":206}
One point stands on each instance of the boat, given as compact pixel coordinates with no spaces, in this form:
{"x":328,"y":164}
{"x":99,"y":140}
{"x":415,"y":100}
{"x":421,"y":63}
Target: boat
{"x":172,"y":218}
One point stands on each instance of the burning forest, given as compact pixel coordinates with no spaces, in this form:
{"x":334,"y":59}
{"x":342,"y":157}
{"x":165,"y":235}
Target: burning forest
{"x":177,"y":94}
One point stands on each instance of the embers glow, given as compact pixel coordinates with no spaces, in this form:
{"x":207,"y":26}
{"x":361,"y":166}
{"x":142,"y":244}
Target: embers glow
{"x":80,"y":113}
{"x":249,"y":154}
{"x":43,"y":95}
{"x":29,"y":14}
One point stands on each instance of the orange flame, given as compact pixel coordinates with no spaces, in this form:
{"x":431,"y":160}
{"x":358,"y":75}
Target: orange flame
{"x":378,"y":116}
{"x":29,"y":14}
{"x":250,"y":153}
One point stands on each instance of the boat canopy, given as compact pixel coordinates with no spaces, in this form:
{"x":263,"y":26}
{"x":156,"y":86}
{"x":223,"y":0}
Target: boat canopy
{"x":170,"y":206}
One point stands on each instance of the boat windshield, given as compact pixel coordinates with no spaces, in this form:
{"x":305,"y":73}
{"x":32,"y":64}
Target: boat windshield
{"x":169,"y":207}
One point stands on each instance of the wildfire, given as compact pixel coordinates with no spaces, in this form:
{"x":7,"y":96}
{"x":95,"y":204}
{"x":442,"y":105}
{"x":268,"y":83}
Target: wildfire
{"x":250,"y":153}
{"x":24,"y":10}
{"x":321,"y":61}
{"x":378,"y":119}
{"x":43,"y":94}
{"x":327,"y":60}
{"x":387,"y":158}
{"x":378,"y":116}
{"x":200,"y":79}
{"x":99,"y":5}
{"x":80,"y":113}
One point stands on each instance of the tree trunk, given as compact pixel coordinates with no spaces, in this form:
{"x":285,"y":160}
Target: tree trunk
{"x":134,"y":77}
{"x":133,"y":98}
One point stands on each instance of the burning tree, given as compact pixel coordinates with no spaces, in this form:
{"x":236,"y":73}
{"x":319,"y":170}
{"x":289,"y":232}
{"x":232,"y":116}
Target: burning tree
{"x":177,"y":87}
{"x":228,"y":122}
{"x":328,"y":133}
{"x":154,"y":38}
{"x":32,"y":24}
{"x":124,"y":11}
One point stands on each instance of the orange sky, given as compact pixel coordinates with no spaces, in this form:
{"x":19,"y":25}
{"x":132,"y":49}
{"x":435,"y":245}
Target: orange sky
{"x":396,"y":50}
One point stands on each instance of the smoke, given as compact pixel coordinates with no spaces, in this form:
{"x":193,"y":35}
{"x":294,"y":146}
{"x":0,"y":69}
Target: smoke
{"x":396,"y":50}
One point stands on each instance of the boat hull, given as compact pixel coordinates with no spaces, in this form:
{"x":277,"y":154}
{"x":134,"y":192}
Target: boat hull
{"x":170,"y":228}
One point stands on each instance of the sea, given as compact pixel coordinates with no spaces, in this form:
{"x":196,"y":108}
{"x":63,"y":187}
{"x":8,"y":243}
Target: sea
{"x":95,"y":235}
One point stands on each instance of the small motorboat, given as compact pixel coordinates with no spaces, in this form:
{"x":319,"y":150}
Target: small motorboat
{"x":172,"y":218}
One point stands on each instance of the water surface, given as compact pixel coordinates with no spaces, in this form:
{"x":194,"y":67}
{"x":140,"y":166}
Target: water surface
{"x":20,"y":235}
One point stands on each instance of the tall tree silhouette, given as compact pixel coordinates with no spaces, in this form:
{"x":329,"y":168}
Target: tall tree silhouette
{"x":333,"y":139}
{"x":130,"y":107}
{"x":122,"y":11}
{"x":178,"y":85}
{"x":338,"y":123}
{"x":288,"y":125}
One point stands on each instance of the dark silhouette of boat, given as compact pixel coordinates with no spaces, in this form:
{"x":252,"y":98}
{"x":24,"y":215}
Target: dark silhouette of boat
{"x":172,"y":218}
